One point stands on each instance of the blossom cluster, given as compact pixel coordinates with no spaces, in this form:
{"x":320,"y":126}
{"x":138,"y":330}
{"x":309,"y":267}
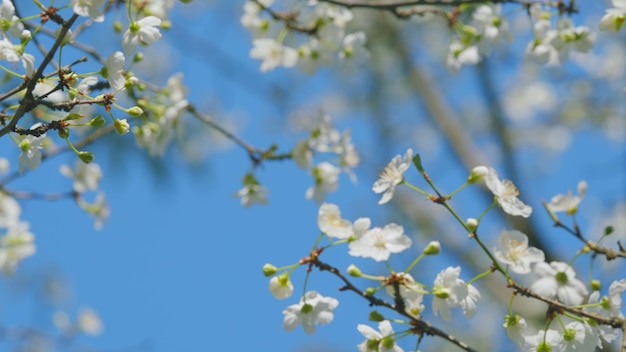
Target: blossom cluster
{"x":323,"y":28}
{"x":512,"y":257}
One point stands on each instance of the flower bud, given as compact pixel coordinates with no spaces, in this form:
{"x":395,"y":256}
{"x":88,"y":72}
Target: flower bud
{"x":121,"y":126}
{"x":354,"y":271}
{"x":471,"y":224}
{"x":269,"y":270}
{"x":477,"y":174}
{"x":135,"y":111}
{"x":86,"y":157}
{"x":433,"y":248}
{"x":596,"y":285}
{"x":375,"y":316}
{"x":370,"y":291}
{"x":97,"y":121}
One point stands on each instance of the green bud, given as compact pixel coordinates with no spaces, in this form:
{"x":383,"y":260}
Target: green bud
{"x":370,"y":291}
{"x":477,"y":174}
{"x":166,"y":24}
{"x":138,"y":58}
{"x":596,"y":285}
{"x":471,"y":224}
{"x":135,"y":111}
{"x":86,"y":157}
{"x":269,"y":270}
{"x":97,"y":121}
{"x":354,"y":271}
{"x":64,"y":133}
{"x":117,"y":26}
{"x":186,"y":1}
{"x":375,"y":316}
{"x":121,"y":126}
{"x":433,"y":248}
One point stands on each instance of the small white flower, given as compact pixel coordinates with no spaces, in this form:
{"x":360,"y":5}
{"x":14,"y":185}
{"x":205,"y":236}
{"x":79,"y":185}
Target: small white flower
{"x":614,"y":18}
{"x":580,"y":337}
{"x":330,"y":222}
{"x":460,"y":55}
{"x":392,"y":175}
{"x":326,"y":178}
{"x":549,"y":340}
{"x":85,"y":176}
{"x":89,"y":8}
{"x":281,"y":286}
{"x":516,"y":327}
{"x":302,"y":154}
{"x":13,"y":24}
{"x":514,"y":251}
{"x":15,"y":246}
{"x":313,"y":55}
{"x":10,"y":210}
{"x":30,"y":157}
{"x":506,"y":194}
{"x":491,"y":24}
{"x":313,"y":309}
{"x":99,"y":209}
{"x":89,"y":322}
{"x":273,"y":54}
{"x":448,"y":291}
{"x":378,"y":341}
{"x":378,"y":243}
{"x":558,"y":280}
{"x":568,"y":202}
{"x":251,"y":19}
{"x":470,"y":302}
{"x":354,"y":47}
{"x":113,"y":70}
{"x":252,"y":194}
{"x":143,"y":32}
{"x":605,"y":309}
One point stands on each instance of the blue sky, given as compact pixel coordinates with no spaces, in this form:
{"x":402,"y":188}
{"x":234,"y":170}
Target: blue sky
{"x":178,"y":265}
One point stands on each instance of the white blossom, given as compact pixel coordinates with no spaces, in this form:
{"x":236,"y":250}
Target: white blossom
{"x":330,"y":222}
{"x":273,"y":54}
{"x":514,"y":251}
{"x":12,"y":24}
{"x":506,"y":195}
{"x":281,"y":286}
{"x":114,"y":69}
{"x":558,"y":280}
{"x":10,"y":210}
{"x":568,"y":202}
{"x":15,"y":246}
{"x":143,"y":32}
{"x":30,"y":156}
{"x":548,"y":340}
{"x":89,"y":8}
{"x":382,"y":341}
{"x":326,"y":178}
{"x":313,"y":309}
{"x":392,"y":175}
{"x":252,"y":194}
{"x":614,"y":18}
{"x":448,"y":291}
{"x":85,"y":176}
{"x":89,"y":322}
{"x":460,"y":54}
{"x":379,"y":243}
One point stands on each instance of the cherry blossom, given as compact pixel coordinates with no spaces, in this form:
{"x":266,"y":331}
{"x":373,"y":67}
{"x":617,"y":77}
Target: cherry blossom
{"x":568,"y":202}
{"x":514,"y":251}
{"x":313,"y":309}
{"x":378,"y":243}
{"x":392,"y":175}
{"x":143,"y":32}
{"x":558,"y":280}
{"x":378,"y":341}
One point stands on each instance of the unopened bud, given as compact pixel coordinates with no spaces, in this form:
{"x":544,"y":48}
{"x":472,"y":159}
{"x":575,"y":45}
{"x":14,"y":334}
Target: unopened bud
{"x":135,"y":111}
{"x":269,"y":270}
{"x":354,"y":271}
{"x":121,"y":126}
{"x":477,"y":174}
{"x":596,"y":285}
{"x":97,"y":121}
{"x":86,"y":157}
{"x":375,"y":316}
{"x":471,"y":224}
{"x":433,"y":248}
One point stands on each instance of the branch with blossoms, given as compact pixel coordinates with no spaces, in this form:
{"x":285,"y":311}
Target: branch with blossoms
{"x":575,"y":319}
